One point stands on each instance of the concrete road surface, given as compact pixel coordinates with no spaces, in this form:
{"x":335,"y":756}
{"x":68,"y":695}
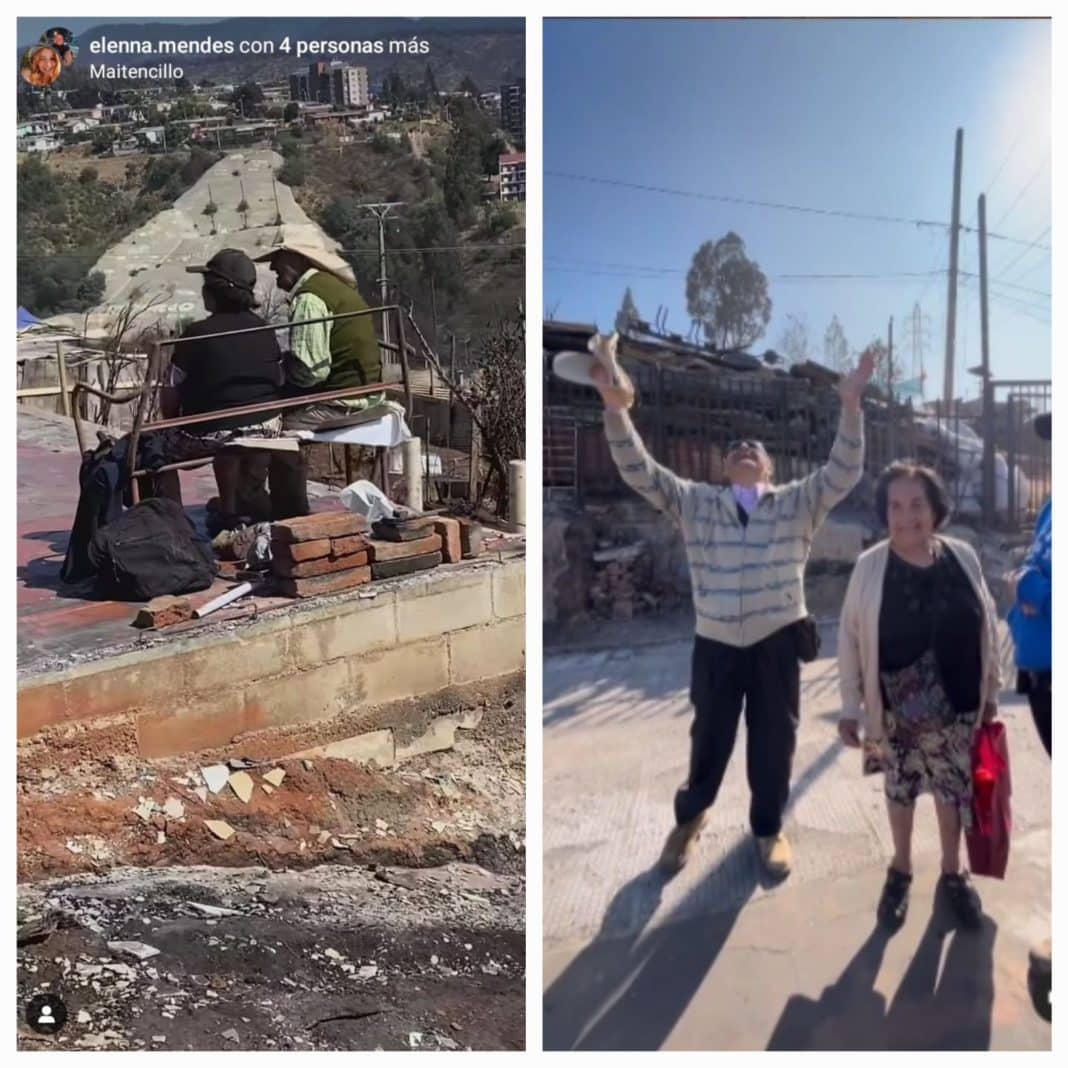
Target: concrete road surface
{"x":148,"y":266}
{"x":719,"y":959}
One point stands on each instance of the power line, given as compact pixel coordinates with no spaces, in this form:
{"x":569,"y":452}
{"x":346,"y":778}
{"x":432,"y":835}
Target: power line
{"x":1011,"y":303}
{"x":742,"y":200}
{"x":578,"y":265}
{"x":1019,"y":196}
{"x":806,"y":209}
{"x":1008,"y":155}
{"x":1009,"y":285}
{"x":1005,"y":270}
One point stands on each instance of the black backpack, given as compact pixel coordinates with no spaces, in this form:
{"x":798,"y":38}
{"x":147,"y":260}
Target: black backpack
{"x":150,"y":550}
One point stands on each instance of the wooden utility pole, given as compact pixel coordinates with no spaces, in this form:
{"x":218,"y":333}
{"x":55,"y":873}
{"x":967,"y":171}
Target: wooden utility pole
{"x":890,"y":384}
{"x":890,"y":360}
{"x":988,"y":502}
{"x":951,"y":300}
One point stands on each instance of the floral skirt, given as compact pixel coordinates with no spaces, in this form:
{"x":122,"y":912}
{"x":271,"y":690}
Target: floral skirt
{"x":938,"y":762}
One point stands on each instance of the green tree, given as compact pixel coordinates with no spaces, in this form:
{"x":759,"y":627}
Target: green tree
{"x":468,"y":86}
{"x":430,"y":84}
{"x":292,"y":110}
{"x":394,"y":89}
{"x":727,"y":293}
{"x":292,"y":171}
{"x":462,"y":180}
{"x":247,"y":98}
{"x":102,"y":141}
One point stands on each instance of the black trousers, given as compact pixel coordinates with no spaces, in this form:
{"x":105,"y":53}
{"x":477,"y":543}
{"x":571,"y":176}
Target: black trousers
{"x":1038,"y":685}
{"x":288,"y":481}
{"x":766,"y":679}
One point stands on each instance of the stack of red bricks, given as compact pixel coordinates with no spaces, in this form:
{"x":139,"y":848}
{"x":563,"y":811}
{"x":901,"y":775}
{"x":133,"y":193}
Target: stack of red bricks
{"x":334,"y":551}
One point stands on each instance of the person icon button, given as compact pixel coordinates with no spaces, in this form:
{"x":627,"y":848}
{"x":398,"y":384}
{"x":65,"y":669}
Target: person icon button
{"x":46,"y":1014}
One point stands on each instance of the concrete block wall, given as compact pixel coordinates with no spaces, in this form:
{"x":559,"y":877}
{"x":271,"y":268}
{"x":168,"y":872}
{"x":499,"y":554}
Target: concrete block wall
{"x":451,"y":626}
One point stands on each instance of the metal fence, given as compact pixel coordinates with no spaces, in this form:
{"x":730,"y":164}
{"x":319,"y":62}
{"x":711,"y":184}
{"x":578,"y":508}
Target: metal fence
{"x":1008,"y":425}
{"x":686,"y":419}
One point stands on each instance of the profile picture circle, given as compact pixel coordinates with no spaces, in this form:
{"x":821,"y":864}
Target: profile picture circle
{"x":41,"y":66}
{"x":62,"y":40}
{"x":46,"y":1014}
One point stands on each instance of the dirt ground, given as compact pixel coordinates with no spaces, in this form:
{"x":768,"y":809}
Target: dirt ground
{"x":108,"y":168}
{"x":374,"y":908}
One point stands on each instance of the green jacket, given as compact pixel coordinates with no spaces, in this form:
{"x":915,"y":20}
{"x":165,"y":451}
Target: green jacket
{"x":355,"y":358}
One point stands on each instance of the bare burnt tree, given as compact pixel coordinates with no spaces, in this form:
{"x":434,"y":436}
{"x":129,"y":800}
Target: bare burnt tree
{"x":497,"y":398}
{"x":495,"y":395}
{"x":126,"y":337}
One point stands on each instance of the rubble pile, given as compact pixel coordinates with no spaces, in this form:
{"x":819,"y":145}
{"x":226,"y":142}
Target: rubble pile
{"x":244,"y":958}
{"x":620,"y":585}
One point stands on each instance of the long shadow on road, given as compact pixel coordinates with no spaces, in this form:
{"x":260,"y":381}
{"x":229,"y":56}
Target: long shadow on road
{"x":628,"y":993}
{"x":928,"y":1012}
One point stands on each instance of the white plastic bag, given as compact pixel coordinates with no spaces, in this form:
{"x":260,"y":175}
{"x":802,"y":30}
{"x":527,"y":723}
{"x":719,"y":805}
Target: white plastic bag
{"x":366,"y":499}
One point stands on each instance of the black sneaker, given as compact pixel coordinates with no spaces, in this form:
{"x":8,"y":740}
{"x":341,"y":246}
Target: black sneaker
{"x":963,"y":899}
{"x":894,"y":902}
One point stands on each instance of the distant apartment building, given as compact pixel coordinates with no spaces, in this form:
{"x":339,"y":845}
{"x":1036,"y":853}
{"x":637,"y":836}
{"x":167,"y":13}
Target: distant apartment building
{"x":311,"y":86}
{"x":514,"y":108}
{"x":512,"y":174}
{"x":331,"y":83}
{"x":42,"y":143}
{"x":490,"y":102}
{"x":275,"y":92}
{"x":350,"y":86}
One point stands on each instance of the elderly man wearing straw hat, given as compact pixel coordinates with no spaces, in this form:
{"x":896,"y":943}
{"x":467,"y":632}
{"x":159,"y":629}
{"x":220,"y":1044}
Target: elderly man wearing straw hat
{"x":323,"y":356}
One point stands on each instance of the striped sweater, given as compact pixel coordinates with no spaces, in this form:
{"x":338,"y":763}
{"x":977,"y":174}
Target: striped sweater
{"x":748,"y":581}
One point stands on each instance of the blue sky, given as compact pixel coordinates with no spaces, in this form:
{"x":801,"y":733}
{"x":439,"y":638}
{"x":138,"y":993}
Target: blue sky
{"x":851,"y":115}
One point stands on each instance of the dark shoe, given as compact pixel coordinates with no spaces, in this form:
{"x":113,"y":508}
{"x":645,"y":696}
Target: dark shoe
{"x":963,"y":899}
{"x":679,"y":845}
{"x":1040,"y":979}
{"x":894,"y":901}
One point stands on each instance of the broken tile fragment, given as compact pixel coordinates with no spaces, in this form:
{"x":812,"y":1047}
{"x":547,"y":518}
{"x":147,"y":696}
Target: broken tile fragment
{"x":134,"y":949}
{"x":275,"y":776}
{"x":242,"y":785}
{"x":216,"y":776}
{"x":220,"y":828}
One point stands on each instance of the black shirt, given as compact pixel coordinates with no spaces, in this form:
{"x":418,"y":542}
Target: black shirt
{"x":933,"y":606}
{"x":227,"y":372}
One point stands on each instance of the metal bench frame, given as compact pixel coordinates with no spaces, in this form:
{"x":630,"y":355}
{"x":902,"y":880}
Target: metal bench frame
{"x":144,"y":396}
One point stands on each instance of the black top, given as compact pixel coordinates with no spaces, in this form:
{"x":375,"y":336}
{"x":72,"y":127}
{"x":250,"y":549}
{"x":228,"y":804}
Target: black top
{"x":935,"y":605}
{"x":227,"y":372}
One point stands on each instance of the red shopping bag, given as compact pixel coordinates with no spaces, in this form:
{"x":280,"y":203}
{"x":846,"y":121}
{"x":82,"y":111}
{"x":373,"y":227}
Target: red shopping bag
{"x":988,"y":840}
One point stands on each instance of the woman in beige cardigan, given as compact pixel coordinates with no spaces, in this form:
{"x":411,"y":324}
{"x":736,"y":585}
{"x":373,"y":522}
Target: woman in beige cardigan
{"x":919,"y":671}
